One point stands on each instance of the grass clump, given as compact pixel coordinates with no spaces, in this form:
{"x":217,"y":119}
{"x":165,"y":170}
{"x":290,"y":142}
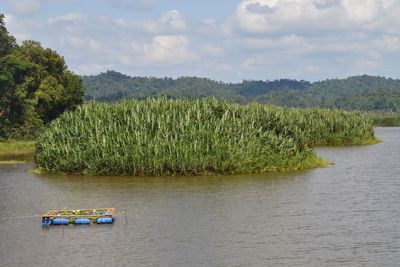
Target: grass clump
{"x":386,"y":120}
{"x":324,"y":127}
{"x":181,"y":137}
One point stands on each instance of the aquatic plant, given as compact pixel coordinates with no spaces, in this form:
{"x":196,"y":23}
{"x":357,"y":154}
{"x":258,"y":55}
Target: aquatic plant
{"x":386,"y":120}
{"x":182,"y":137}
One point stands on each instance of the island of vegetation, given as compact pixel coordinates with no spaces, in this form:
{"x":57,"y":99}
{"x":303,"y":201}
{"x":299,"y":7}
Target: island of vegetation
{"x":181,"y":137}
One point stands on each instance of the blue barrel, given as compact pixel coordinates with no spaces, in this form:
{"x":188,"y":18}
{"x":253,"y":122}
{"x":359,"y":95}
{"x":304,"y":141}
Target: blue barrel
{"x":59,"y":221}
{"x":46,"y":221}
{"x":104,"y":220}
{"x":82,"y":221}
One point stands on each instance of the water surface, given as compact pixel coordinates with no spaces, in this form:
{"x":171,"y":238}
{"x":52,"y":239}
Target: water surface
{"x":347,"y":214}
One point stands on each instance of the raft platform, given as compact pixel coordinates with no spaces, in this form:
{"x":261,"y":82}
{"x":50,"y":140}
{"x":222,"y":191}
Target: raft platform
{"x":86,"y":216}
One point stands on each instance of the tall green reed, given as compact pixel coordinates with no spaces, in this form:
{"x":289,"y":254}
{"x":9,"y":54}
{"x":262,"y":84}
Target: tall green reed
{"x":181,"y":137}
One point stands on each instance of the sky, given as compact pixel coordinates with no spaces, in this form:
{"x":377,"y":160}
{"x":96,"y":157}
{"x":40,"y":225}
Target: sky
{"x":225,"y":40}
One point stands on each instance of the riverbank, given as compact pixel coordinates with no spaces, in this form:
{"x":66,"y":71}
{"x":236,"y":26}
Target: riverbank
{"x":16,"y":151}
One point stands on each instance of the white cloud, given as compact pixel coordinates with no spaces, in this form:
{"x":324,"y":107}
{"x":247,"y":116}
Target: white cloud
{"x":312,"y":69}
{"x":363,"y":11}
{"x":261,"y":39}
{"x":249,"y":63}
{"x":20,"y":29}
{"x":72,"y":41}
{"x":264,"y":16}
{"x":388,"y":44}
{"x":8,"y":18}
{"x":131,"y":4}
{"x":70,"y":17}
{"x":92,"y":68}
{"x":212,"y":50}
{"x":268,"y":16}
{"x":208,"y":25}
{"x":388,"y":21}
{"x":287,"y":41}
{"x":94,"y":44}
{"x":121,"y":22}
{"x":210,"y":22}
{"x":78,"y":42}
{"x":24,"y":7}
{"x":170,"y":49}
{"x":225,"y":67}
{"x":365,"y":66}
{"x":170,"y":22}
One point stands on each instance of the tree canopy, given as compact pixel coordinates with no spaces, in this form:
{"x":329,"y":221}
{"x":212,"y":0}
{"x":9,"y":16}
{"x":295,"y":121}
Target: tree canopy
{"x":35,"y":86}
{"x":366,"y":93}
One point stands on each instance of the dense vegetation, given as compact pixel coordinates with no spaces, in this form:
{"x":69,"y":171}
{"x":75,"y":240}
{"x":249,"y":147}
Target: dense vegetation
{"x":386,"y":120}
{"x":35,"y":86}
{"x":181,"y":137}
{"x":365,"y":93}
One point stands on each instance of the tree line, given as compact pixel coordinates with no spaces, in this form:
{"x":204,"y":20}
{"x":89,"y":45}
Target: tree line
{"x":365,"y":93}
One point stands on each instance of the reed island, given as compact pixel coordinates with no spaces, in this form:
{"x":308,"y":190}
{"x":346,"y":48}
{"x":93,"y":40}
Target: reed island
{"x":157,"y":137}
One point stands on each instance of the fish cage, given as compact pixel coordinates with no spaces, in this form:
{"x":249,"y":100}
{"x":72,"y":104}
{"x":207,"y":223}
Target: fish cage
{"x":85,"y":216}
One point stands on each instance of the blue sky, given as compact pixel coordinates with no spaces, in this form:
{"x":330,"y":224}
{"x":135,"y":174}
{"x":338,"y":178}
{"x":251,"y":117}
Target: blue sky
{"x":224,"y":40}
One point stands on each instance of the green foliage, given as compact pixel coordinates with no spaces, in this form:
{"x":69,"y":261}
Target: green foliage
{"x":49,"y":98}
{"x":7,"y":42}
{"x":35,"y":87}
{"x":366,"y":93}
{"x":386,"y":120}
{"x":181,"y":137}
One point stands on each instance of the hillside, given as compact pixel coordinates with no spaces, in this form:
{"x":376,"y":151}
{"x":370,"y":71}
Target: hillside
{"x":368,"y":93}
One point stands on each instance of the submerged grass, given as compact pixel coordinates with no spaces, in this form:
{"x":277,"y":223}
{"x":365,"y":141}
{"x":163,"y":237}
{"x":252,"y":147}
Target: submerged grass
{"x":181,"y":137}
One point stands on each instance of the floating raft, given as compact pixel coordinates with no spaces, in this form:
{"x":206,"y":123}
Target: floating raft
{"x":87,"y":216}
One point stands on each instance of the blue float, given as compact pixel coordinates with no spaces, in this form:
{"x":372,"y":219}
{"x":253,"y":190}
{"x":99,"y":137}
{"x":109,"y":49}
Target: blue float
{"x":104,"y":220}
{"x":85,"y":216}
{"x":46,"y":221}
{"x":60,"y":221}
{"x":82,"y":221}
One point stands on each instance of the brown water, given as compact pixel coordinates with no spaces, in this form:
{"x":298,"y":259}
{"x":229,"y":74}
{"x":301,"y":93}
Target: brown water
{"x":345,"y":215}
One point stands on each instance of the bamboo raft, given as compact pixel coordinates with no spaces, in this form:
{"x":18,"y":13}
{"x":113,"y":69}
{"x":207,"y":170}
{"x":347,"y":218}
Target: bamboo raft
{"x":86,"y":216}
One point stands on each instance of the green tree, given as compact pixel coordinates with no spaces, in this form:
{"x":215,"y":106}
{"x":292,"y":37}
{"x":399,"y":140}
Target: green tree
{"x":35,"y":86}
{"x":49,"y":98}
{"x":7,"y":42}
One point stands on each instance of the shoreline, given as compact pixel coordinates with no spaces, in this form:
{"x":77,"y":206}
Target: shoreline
{"x":13,"y":151}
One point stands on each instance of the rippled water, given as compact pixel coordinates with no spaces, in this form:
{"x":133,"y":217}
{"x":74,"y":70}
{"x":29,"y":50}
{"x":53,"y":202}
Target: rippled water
{"x":345,"y":215}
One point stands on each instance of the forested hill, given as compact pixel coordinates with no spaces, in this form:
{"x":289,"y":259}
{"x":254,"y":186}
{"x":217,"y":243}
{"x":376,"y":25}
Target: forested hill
{"x":368,"y":93}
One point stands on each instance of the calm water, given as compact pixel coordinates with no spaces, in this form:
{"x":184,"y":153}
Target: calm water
{"x":345,"y":215}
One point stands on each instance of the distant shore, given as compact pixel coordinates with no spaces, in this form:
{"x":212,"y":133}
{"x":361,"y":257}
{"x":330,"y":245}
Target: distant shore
{"x":15,"y":151}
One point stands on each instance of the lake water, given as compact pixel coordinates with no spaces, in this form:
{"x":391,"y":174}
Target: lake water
{"x":347,"y":214}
